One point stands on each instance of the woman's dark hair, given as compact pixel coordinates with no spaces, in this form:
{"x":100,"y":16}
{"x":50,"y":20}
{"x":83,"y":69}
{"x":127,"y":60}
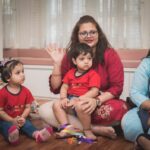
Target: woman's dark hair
{"x":148,"y":54}
{"x":102,"y":44}
{"x":79,"y":48}
{"x":6,"y":69}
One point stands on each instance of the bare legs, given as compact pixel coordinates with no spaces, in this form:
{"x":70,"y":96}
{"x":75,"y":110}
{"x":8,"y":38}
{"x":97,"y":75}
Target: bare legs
{"x":48,"y":116}
{"x":104,"y":131}
{"x":85,"y":119}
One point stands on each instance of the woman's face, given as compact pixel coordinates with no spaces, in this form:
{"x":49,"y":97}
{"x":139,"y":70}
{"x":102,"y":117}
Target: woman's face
{"x":88,"y":34}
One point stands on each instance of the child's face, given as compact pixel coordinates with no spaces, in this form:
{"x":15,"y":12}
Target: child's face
{"x":83,"y":62}
{"x":17,"y":76}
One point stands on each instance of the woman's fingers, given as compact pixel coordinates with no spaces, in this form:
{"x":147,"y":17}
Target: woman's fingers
{"x":88,"y":109}
{"x":88,"y":105}
{"x":55,"y":52}
{"x":52,"y":48}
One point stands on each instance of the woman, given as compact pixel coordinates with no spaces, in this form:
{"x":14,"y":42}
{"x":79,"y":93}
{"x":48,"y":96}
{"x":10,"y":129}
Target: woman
{"x":133,"y":123}
{"x":108,"y":109}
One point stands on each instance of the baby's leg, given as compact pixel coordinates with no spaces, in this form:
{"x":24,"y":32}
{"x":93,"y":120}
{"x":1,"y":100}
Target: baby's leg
{"x":60,"y":113}
{"x":86,"y":123}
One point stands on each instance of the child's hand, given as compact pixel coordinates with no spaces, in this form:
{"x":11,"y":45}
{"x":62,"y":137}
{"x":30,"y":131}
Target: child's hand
{"x":64,"y":103}
{"x":15,"y":122}
{"x":73,"y":102}
{"x":21,"y":121}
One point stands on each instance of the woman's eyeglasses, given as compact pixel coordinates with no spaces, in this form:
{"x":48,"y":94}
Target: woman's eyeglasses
{"x":91,"y":33}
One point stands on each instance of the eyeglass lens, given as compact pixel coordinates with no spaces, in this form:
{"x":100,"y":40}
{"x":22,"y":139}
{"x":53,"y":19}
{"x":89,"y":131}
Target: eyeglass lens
{"x":90,"y":33}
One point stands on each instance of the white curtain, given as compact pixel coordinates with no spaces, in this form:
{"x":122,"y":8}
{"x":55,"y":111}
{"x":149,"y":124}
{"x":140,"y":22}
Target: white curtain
{"x":35,"y":23}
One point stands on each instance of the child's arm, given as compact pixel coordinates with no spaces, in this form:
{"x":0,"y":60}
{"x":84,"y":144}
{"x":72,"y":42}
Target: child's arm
{"x":63,"y":95}
{"x":6,"y":117}
{"x":25,"y":114}
{"x":93,"y":92}
{"x":63,"y":91}
{"x":26,"y":111}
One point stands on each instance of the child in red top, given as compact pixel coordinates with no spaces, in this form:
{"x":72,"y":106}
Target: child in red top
{"x":15,"y":102}
{"x":81,"y":81}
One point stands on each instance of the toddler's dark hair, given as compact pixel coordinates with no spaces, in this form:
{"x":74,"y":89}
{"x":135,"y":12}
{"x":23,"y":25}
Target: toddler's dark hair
{"x":6,"y":69}
{"x":80,"y":48}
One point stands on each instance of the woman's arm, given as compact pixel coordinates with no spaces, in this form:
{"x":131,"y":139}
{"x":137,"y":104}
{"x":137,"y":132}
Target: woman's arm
{"x":104,"y":96}
{"x":115,"y":74}
{"x":56,"y":77}
{"x":57,"y":55}
{"x":139,"y":88}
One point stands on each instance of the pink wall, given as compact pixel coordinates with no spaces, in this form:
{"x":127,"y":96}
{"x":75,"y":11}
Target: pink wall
{"x":130,"y":57}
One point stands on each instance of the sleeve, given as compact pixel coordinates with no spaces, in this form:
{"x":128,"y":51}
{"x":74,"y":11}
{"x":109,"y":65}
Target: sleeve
{"x":95,"y":80}
{"x":115,"y":73}
{"x":2,"y":102}
{"x":29,"y":97}
{"x":139,"y":88}
{"x":64,"y":69}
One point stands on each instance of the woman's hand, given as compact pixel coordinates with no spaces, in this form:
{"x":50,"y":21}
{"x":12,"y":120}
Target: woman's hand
{"x":88,"y":104}
{"x":56,"y":53}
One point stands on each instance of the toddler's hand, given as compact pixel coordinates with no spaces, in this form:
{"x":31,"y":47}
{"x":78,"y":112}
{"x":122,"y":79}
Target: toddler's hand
{"x":72,"y":102}
{"x":15,"y":122}
{"x":21,"y":121}
{"x":64,"y":103}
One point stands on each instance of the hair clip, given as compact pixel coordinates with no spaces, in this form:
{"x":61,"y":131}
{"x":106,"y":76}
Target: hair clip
{"x":3,"y":62}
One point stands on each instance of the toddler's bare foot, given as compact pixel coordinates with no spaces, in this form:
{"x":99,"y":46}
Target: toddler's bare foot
{"x":89,"y":134}
{"x":105,"y":131}
{"x":65,"y":132}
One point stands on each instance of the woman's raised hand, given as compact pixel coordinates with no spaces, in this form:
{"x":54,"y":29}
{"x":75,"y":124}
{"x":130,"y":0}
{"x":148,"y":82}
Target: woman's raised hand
{"x":55,"y":52}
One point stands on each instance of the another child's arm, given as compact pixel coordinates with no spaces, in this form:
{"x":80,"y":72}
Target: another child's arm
{"x":8,"y":118}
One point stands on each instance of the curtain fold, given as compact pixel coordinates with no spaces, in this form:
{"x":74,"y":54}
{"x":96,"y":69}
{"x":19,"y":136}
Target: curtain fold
{"x":36,"y":23}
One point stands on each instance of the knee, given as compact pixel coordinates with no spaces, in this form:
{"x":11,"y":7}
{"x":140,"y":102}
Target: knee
{"x":130,"y":129}
{"x":56,"y":105}
{"x":78,"y":107}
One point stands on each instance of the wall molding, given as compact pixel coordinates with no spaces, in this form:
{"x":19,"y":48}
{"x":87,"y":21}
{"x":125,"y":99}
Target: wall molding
{"x":130,"y":57}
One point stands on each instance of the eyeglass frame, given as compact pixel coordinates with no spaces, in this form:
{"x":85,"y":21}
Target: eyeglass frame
{"x":92,"y":33}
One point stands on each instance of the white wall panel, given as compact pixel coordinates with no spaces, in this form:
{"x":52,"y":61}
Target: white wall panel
{"x":37,"y":81}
